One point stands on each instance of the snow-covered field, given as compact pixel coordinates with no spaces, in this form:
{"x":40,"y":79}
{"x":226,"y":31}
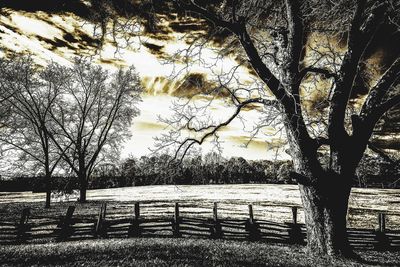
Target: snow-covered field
{"x":270,"y":202}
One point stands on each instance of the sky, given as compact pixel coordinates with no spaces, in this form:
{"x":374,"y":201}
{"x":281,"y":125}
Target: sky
{"x":60,"y":37}
{"x":58,"y":30}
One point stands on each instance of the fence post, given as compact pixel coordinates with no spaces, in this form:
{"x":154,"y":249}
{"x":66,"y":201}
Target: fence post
{"x":134,"y":227}
{"x":101,"y":226}
{"x":383,"y":242}
{"x":294,"y":214}
{"x":66,"y":230}
{"x":382,"y":222}
{"x":251,"y":226}
{"x":251,"y":215}
{"x":22,"y":226}
{"x":176,"y":222}
{"x":104,"y":210}
{"x":216,"y":230}
{"x":295,"y":235}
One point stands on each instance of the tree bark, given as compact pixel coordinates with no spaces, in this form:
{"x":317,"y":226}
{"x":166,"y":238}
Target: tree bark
{"x":325,"y":207}
{"x":83,"y":183}
{"x":48,"y":191}
{"x":47,"y":183}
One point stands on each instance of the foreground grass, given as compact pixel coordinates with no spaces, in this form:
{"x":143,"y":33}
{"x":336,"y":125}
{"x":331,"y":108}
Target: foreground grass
{"x":174,"y":252}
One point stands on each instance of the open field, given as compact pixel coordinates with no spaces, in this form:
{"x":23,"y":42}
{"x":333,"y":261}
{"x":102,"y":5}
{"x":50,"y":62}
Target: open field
{"x":175,"y":252}
{"x":271,"y":202}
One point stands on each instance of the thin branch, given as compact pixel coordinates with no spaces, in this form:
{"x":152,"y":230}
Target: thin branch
{"x":382,"y":87}
{"x":189,"y":142}
{"x":380,"y":152}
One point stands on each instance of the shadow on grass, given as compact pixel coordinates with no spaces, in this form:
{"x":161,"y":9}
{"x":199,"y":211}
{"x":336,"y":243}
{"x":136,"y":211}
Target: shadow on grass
{"x":176,"y":252}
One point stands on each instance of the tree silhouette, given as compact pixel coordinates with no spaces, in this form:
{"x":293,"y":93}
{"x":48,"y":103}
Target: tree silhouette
{"x":25,"y":129}
{"x":93,"y":117}
{"x":288,"y":64}
{"x":312,"y":60}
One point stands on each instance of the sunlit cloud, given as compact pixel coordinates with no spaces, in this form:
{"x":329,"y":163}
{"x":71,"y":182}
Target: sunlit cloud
{"x":166,"y":71}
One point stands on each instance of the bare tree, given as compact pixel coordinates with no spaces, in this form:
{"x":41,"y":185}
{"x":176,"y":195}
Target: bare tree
{"x":93,"y":117}
{"x":25,"y":129}
{"x":284,"y":69}
{"x":274,"y":39}
{"x":5,"y":91}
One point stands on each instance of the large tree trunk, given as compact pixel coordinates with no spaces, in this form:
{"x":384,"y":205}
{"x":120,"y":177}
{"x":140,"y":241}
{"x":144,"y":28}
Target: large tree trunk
{"x":83,"y":183}
{"x":48,"y":191}
{"x":325,"y":207}
{"x":48,"y":187}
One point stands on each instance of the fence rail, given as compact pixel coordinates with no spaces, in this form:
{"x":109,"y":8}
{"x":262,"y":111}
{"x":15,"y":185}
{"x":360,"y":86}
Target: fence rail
{"x":70,"y":227}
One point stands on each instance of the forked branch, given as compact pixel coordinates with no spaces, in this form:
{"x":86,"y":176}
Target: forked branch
{"x":189,"y":142}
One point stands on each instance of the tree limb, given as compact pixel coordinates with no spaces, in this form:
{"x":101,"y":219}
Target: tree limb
{"x":378,"y":112}
{"x":239,"y":29}
{"x":326,"y":73}
{"x":194,"y":7}
{"x":295,"y":36}
{"x":189,"y":142}
{"x":382,"y":87}
{"x":380,"y":152}
{"x":358,"y":40}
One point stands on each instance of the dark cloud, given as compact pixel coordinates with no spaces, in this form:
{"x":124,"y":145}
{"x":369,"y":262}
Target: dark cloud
{"x":163,"y":34}
{"x":157,"y":50}
{"x":193,"y":84}
{"x":11,"y":28}
{"x":87,"y":39}
{"x":55,"y":43}
{"x":188,"y":26}
{"x":70,"y":38}
{"x":77,"y":37}
{"x":78,"y":42}
{"x":197,"y":84}
{"x":112,"y":61}
{"x":49,"y":6}
{"x":386,"y":39}
{"x":153,"y":47}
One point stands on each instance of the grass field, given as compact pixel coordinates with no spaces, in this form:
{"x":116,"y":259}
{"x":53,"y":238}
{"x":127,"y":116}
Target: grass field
{"x":175,"y":252}
{"x":271,"y":202}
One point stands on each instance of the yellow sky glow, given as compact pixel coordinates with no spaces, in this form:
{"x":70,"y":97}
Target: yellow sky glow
{"x":22,"y":32}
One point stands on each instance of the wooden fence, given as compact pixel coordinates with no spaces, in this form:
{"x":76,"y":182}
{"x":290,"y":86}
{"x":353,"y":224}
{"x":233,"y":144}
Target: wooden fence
{"x":70,"y":227}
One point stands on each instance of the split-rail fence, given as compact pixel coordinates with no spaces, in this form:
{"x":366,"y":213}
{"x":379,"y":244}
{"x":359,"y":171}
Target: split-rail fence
{"x":71,"y":227}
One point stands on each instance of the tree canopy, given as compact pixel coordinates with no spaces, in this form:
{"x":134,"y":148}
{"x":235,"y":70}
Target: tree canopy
{"x":293,"y":48}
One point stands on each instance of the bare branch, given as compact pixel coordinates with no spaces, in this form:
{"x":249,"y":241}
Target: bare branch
{"x":295,"y":37}
{"x":380,"y":152}
{"x":382,"y":87}
{"x":326,"y":73}
{"x":359,"y":38}
{"x":189,"y":142}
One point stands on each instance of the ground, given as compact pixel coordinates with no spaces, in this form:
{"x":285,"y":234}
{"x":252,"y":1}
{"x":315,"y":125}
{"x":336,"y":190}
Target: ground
{"x":174,"y":252}
{"x":267,"y":199}
{"x":270,"y":202}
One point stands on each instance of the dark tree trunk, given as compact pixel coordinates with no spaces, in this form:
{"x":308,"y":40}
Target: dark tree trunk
{"x":48,"y":187}
{"x":325,"y":207}
{"x":83,"y":183}
{"x":48,"y":192}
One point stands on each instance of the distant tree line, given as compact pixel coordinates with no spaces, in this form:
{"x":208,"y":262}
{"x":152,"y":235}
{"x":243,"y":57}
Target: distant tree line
{"x":209,"y":169}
